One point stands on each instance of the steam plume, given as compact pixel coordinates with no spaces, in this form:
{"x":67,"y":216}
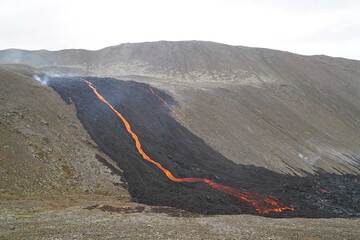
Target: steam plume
{"x":43,"y":79}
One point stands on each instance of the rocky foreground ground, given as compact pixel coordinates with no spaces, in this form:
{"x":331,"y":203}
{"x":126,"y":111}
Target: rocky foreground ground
{"x":103,"y":217}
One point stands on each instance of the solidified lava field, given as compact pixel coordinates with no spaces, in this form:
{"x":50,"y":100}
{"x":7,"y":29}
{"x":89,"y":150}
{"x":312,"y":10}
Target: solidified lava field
{"x":186,"y":155}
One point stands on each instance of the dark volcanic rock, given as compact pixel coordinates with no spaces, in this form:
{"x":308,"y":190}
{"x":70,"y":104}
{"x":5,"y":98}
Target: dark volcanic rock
{"x":320,"y":195}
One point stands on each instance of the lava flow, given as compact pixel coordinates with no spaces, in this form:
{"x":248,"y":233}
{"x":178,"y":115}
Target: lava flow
{"x":262,"y":204}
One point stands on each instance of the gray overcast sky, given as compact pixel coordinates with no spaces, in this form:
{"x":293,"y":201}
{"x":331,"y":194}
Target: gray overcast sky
{"x":330,"y":27}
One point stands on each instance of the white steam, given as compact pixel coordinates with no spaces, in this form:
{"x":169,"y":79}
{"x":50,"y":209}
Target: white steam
{"x":43,"y":79}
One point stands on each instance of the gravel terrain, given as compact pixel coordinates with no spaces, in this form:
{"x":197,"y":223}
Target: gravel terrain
{"x":69,"y":217}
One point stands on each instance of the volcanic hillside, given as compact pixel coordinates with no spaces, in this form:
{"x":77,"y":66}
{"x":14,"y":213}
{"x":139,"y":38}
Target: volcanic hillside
{"x":199,"y":126}
{"x":44,"y":150}
{"x":282,"y":111}
{"x":96,"y":141}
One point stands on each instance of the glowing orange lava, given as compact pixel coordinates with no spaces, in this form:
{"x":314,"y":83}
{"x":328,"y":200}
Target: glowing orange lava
{"x":262,"y":204}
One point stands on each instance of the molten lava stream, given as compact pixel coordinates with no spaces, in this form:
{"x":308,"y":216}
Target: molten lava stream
{"x":262,"y":204}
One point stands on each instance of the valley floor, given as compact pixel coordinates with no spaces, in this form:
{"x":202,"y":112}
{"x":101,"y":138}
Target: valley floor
{"x":105,"y":217}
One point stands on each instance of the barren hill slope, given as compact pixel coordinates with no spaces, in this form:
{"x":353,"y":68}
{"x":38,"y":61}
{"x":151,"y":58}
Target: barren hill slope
{"x":192,"y":60}
{"x":44,"y":149}
{"x":269,"y":108}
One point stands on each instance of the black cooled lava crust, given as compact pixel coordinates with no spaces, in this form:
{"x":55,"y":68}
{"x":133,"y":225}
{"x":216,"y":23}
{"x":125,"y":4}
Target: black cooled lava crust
{"x":186,"y":155}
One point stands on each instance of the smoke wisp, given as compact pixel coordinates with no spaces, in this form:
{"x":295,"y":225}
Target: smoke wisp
{"x":43,"y":79}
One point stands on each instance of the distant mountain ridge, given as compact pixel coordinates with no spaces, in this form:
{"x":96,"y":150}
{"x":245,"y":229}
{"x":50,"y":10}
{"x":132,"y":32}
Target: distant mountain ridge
{"x":186,"y":60}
